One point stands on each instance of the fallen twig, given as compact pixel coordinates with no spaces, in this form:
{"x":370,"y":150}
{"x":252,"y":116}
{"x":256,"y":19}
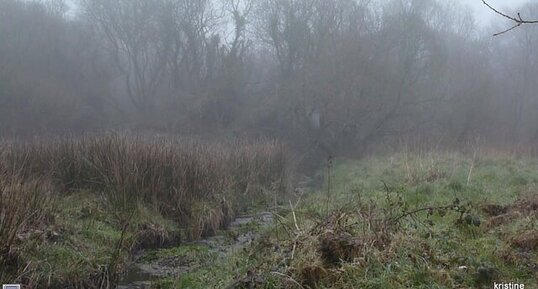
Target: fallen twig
{"x":289,"y":278}
{"x":429,"y":209}
{"x":294,"y":217}
{"x":471,"y":169}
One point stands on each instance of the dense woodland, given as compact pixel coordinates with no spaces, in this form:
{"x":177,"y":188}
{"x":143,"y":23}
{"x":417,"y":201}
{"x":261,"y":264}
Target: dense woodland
{"x":328,"y":77}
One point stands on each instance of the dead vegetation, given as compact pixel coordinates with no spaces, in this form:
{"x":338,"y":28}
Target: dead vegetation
{"x":340,"y":241}
{"x":198,"y":186}
{"x":320,"y":254}
{"x":527,"y":240}
{"x":525,"y":205}
{"x":24,"y":206}
{"x":385,"y":232}
{"x":449,"y":243}
{"x":151,"y":235}
{"x":171,"y":175}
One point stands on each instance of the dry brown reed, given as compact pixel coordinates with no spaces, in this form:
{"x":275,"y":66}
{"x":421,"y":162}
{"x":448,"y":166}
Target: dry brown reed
{"x":198,"y":184}
{"x":24,"y":206}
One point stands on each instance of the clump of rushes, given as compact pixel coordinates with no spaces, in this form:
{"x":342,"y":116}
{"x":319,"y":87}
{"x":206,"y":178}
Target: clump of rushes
{"x":172,"y":175}
{"x":196,"y":185}
{"x":25,"y":206}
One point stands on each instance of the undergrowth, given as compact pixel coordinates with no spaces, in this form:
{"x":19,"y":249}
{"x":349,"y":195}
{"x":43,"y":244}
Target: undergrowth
{"x":439,"y":220}
{"x":72,"y":209}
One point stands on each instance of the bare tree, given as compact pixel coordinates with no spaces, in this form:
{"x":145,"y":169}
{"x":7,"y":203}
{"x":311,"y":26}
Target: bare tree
{"x":131,"y":29}
{"x":327,"y":76}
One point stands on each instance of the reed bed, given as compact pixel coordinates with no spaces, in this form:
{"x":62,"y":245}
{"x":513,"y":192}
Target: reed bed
{"x":199,"y":185}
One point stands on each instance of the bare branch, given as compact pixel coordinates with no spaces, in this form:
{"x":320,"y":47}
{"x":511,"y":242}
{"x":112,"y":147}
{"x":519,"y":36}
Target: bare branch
{"x":518,"y":21}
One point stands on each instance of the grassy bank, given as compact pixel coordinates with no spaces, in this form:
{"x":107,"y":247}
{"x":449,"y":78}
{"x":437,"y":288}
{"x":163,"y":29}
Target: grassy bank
{"x":440,"y":220}
{"x":72,"y":209}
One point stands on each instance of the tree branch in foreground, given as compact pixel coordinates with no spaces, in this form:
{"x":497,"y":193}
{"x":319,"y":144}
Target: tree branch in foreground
{"x":518,"y":21}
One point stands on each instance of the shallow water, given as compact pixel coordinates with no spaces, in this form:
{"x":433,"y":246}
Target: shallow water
{"x":140,"y":275}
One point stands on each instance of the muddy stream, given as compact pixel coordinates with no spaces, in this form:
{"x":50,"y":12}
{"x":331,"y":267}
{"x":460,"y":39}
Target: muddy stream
{"x":140,"y":273}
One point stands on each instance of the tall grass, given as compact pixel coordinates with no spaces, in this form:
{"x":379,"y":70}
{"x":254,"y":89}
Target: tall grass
{"x":24,"y":206}
{"x":198,"y":184}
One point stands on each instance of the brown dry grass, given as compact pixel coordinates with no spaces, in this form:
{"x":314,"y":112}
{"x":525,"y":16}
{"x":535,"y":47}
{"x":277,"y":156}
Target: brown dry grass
{"x":526,"y":204}
{"x":527,"y":240}
{"x":172,"y":175}
{"x":198,"y":185}
{"x":24,"y":207}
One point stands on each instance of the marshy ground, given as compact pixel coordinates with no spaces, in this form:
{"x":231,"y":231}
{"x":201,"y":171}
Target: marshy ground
{"x":155,"y":268}
{"x":74,"y":211}
{"x":438,"y":220}
{"x":400,"y":220}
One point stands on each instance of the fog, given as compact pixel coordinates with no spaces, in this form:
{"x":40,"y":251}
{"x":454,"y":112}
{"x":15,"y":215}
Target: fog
{"x":484,"y":16}
{"x":334,"y":77}
{"x":268,"y":143}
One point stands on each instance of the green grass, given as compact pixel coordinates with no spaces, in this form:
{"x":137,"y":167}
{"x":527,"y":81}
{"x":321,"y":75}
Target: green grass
{"x":437,"y":249}
{"x":212,"y":269}
{"x":76,"y":207}
{"x":85,"y":238}
{"x":442,"y":250}
{"x":434,"y":180}
{"x":495,"y":179}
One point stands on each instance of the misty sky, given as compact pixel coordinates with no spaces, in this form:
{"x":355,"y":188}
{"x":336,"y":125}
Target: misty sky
{"x":484,"y":15}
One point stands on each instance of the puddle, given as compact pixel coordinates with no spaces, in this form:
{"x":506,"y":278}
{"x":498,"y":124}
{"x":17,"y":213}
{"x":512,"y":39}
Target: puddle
{"x":241,"y":232}
{"x":137,"y":274}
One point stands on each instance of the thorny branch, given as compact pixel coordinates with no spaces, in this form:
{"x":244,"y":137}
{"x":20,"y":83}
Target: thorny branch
{"x":517,"y":20}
